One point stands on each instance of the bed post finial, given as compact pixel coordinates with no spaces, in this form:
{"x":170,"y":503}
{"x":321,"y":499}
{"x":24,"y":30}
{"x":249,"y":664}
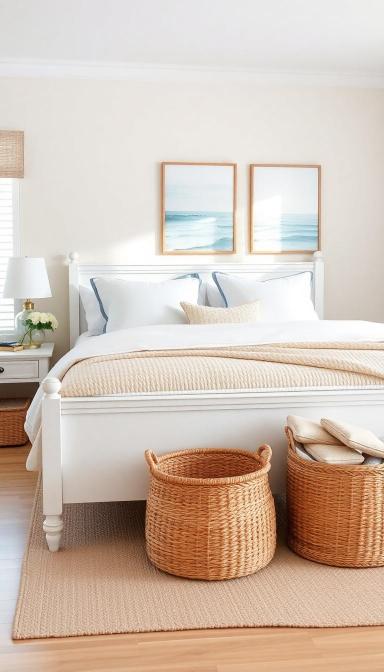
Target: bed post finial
{"x":318,"y":255}
{"x":51,"y":387}
{"x":73,"y":257}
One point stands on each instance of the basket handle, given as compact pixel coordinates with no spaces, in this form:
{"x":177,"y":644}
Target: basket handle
{"x":151,"y":458}
{"x":290,"y":437}
{"x":264,"y":452}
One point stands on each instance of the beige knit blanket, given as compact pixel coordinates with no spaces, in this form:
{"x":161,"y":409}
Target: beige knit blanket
{"x":287,"y":365}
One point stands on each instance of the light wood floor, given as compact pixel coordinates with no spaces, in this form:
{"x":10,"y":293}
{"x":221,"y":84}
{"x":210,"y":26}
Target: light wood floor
{"x":247,"y":650}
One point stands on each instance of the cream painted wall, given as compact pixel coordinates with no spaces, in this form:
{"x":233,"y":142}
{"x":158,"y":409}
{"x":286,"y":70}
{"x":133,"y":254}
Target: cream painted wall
{"x":92,"y":170}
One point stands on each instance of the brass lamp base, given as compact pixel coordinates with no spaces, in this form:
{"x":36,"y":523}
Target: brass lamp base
{"x":31,"y":346}
{"x":28,"y":305}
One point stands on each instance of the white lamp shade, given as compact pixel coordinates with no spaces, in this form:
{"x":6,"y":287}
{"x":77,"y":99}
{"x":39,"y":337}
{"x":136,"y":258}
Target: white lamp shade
{"x":26,"y":278}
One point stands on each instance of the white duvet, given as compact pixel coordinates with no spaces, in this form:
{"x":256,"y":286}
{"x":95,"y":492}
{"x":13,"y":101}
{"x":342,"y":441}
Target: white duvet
{"x":184,"y":336}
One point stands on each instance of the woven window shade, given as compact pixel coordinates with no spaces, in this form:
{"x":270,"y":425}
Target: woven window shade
{"x":11,"y":154}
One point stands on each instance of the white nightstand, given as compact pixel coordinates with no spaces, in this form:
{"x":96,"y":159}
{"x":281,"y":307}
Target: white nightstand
{"x":25,"y":366}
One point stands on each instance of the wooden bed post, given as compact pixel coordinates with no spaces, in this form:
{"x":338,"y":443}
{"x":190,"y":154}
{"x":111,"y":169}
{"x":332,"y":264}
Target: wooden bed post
{"x":51,"y":455}
{"x":74,"y":298}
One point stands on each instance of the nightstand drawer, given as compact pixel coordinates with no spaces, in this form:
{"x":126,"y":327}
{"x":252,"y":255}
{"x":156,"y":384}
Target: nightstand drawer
{"x":22,"y":369}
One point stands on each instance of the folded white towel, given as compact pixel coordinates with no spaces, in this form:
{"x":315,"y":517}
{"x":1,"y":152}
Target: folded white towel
{"x":358,"y":438}
{"x":334,"y":454}
{"x":308,"y":431}
{"x":301,"y":452}
{"x":371,"y":460}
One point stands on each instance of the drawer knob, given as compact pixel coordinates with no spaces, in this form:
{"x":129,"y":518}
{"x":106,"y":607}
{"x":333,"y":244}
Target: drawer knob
{"x":1,"y":369}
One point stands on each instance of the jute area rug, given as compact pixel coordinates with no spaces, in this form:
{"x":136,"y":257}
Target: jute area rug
{"x":102,"y":582}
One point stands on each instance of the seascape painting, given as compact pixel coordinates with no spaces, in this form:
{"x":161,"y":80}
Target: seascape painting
{"x":199,"y":202}
{"x":285,"y":209}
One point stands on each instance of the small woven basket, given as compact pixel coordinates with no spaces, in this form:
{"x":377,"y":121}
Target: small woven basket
{"x":12,"y":419}
{"x":210,"y":513}
{"x":335,"y":512}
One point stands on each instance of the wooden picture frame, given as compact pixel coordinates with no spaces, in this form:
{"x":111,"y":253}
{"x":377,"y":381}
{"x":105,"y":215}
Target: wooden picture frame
{"x":300,"y":226}
{"x":220,"y":222}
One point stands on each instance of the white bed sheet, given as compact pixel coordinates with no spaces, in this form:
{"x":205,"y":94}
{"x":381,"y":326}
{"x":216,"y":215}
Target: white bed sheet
{"x":185,"y":336}
{"x":83,"y":337}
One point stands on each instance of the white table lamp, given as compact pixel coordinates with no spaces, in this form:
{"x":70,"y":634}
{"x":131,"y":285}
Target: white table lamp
{"x":26,"y":277}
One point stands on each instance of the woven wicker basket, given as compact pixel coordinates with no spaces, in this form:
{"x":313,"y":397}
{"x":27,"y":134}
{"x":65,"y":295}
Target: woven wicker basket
{"x":12,"y":419}
{"x":335,"y":512}
{"x":210,"y":513}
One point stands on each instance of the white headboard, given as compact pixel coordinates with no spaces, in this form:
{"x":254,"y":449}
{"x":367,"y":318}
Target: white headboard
{"x":80,"y":274}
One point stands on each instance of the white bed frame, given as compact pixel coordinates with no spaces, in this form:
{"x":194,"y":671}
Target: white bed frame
{"x":93,"y":446}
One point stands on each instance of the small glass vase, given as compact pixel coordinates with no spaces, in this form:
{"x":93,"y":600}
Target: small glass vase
{"x":20,"y":320}
{"x":33,"y":338}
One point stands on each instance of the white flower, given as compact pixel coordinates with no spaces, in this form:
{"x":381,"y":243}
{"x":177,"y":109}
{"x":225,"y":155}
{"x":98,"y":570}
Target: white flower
{"x":35,"y":317}
{"x":52,"y":319}
{"x":43,"y":318}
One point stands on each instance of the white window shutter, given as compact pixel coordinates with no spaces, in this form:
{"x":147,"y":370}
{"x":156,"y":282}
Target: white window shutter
{"x":8,"y":214}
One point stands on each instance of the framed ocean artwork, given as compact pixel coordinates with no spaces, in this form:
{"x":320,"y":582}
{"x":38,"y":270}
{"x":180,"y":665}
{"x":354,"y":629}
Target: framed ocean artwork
{"x":285,"y":208}
{"x":198,"y":208}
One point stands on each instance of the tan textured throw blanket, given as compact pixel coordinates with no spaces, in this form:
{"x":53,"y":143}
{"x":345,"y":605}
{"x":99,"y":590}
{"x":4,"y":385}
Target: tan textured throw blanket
{"x":287,"y":365}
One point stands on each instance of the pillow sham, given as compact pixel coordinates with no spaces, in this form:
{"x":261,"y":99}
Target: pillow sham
{"x":94,"y":319}
{"x":247,"y":313}
{"x":128,"y":303}
{"x":358,"y":438}
{"x":213,"y":298}
{"x":286,"y":299}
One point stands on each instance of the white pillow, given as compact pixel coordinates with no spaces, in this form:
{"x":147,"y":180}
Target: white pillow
{"x":126,"y":303}
{"x":95,"y":321}
{"x":213,"y":298}
{"x":285,"y":299}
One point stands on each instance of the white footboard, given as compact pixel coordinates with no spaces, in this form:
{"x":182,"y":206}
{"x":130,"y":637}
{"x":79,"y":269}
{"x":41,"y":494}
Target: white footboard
{"x":93,"y":448}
